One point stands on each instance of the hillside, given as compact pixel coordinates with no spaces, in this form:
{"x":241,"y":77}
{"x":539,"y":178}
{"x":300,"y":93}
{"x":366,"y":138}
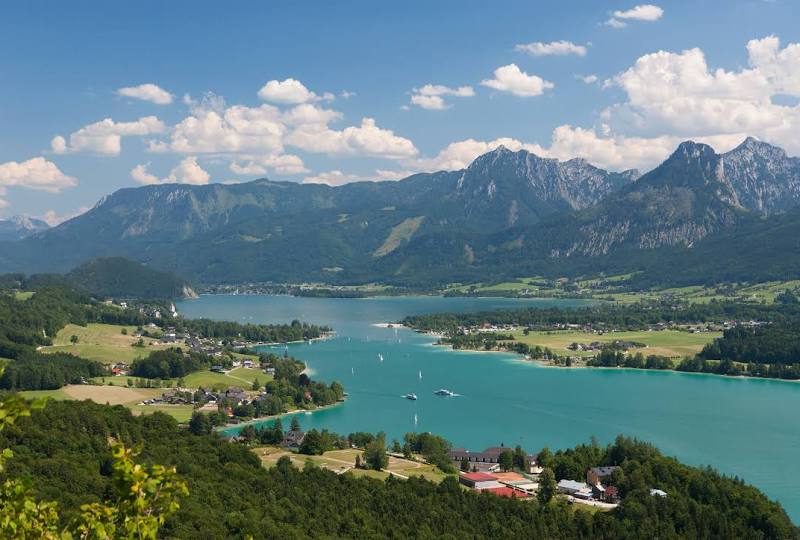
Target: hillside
{"x":117,"y":277}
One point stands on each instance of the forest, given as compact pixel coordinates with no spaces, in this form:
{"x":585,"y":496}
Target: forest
{"x":62,"y":451}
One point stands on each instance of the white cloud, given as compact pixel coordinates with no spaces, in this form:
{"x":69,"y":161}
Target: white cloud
{"x":332,"y":178}
{"x":105,"y":136}
{"x":678,"y":94}
{"x":282,"y":164}
{"x":310,"y":114}
{"x":53,"y":218}
{"x":237,"y":129}
{"x":430,"y":96}
{"x":511,"y":79}
{"x":188,"y":171}
{"x":344,"y":94}
{"x":147,"y":92}
{"x":365,"y":140}
{"x":642,"y":12}
{"x":290,"y":92}
{"x":588,"y":79}
{"x":339,"y":178}
{"x":554,"y":48}
{"x":35,"y":173}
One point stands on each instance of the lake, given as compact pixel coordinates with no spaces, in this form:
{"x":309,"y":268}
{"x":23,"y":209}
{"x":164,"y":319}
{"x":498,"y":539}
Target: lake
{"x":743,"y":427}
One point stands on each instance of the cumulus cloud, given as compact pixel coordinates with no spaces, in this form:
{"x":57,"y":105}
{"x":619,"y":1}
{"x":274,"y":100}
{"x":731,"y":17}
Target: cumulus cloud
{"x":290,"y":92}
{"x":105,"y":136}
{"x":53,"y":218}
{"x":365,"y":140}
{"x":339,"y":178}
{"x":431,"y":97}
{"x":511,"y":79}
{"x":283,"y":164}
{"x":147,"y":92}
{"x":554,"y":48}
{"x":677,"y":93}
{"x":35,"y":173}
{"x":188,"y":171}
{"x":239,"y":133}
{"x":588,"y":79}
{"x":236,"y":129}
{"x":642,"y":12}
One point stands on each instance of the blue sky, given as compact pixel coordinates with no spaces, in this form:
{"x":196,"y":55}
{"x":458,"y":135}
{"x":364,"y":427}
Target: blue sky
{"x":344,"y":75}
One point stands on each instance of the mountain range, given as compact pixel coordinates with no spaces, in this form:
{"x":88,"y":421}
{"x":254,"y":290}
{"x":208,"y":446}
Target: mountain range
{"x":18,"y":227}
{"x":507,"y":214}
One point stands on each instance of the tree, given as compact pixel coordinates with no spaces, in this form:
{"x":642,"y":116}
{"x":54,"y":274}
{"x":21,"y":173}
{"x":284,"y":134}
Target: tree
{"x":256,"y":385}
{"x":144,"y":496}
{"x":358,"y":461}
{"x":464,"y":464}
{"x":545,"y":458}
{"x":547,"y":486}
{"x":295,"y":425}
{"x":199,"y":424}
{"x":73,"y":339}
{"x":375,"y":453}
{"x":506,"y":460}
{"x":519,"y":458}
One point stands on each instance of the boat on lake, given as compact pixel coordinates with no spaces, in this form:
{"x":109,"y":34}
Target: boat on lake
{"x":444,"y":392}
{"x":412,"y":397}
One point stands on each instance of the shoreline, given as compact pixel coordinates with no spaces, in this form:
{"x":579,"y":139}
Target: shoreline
{"x":547,"y":364}
{"x":274,"y":416}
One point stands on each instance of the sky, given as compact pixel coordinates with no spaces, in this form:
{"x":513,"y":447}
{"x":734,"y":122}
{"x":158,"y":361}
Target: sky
{"x":99,"y":96}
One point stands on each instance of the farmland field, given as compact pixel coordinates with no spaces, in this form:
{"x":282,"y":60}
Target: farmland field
{"x":670,"y":343}
{"x":102,"y":342}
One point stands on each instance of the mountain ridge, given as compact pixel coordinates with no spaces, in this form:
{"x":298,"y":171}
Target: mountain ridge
{"x":505,"y":210}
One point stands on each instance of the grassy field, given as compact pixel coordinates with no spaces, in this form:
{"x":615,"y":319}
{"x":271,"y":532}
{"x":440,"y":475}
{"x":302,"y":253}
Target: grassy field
{"x":102,"y":342}
{"x":23,"y":295}
{"x":236,"y":377}
{"x":243,"y":377}
{"x":49,"y":394}
{"x":115,"y":395}
{"x":665,"y":342}
{"x":344,"y":460}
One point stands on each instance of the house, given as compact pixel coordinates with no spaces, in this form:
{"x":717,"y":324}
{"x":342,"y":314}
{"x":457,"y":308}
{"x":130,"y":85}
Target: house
{"x":596,"y":475}
{"x":489,"y":459}
{"x":236,"y":395}
{"x":657,"y":493}
{"x":479,"y":481}
{"x":576,"y":489}
{"x":293,"y":439}
{"x":217,"y":369}
{"x":247,"y":363}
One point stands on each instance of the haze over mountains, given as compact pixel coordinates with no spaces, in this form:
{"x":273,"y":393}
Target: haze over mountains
{"x":507,"y":214}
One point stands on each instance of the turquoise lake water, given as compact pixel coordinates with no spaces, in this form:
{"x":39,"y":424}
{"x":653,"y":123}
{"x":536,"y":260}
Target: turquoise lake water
{"x":742,"y":427}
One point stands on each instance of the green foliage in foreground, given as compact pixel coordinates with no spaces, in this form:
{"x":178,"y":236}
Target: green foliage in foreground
{"x":62,"y":451}
{"x":143,"y":497}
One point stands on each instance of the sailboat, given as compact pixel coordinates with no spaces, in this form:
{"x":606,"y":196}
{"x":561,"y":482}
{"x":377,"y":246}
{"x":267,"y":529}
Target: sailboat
{"x":420,"y":374}
{"x":380,"y":357}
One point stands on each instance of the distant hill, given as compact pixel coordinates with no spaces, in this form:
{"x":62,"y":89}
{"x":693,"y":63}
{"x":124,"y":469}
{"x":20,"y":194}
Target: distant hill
{"x":117,"y":277}
{"x":508,"y":214}
{"x":18,"y":227}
